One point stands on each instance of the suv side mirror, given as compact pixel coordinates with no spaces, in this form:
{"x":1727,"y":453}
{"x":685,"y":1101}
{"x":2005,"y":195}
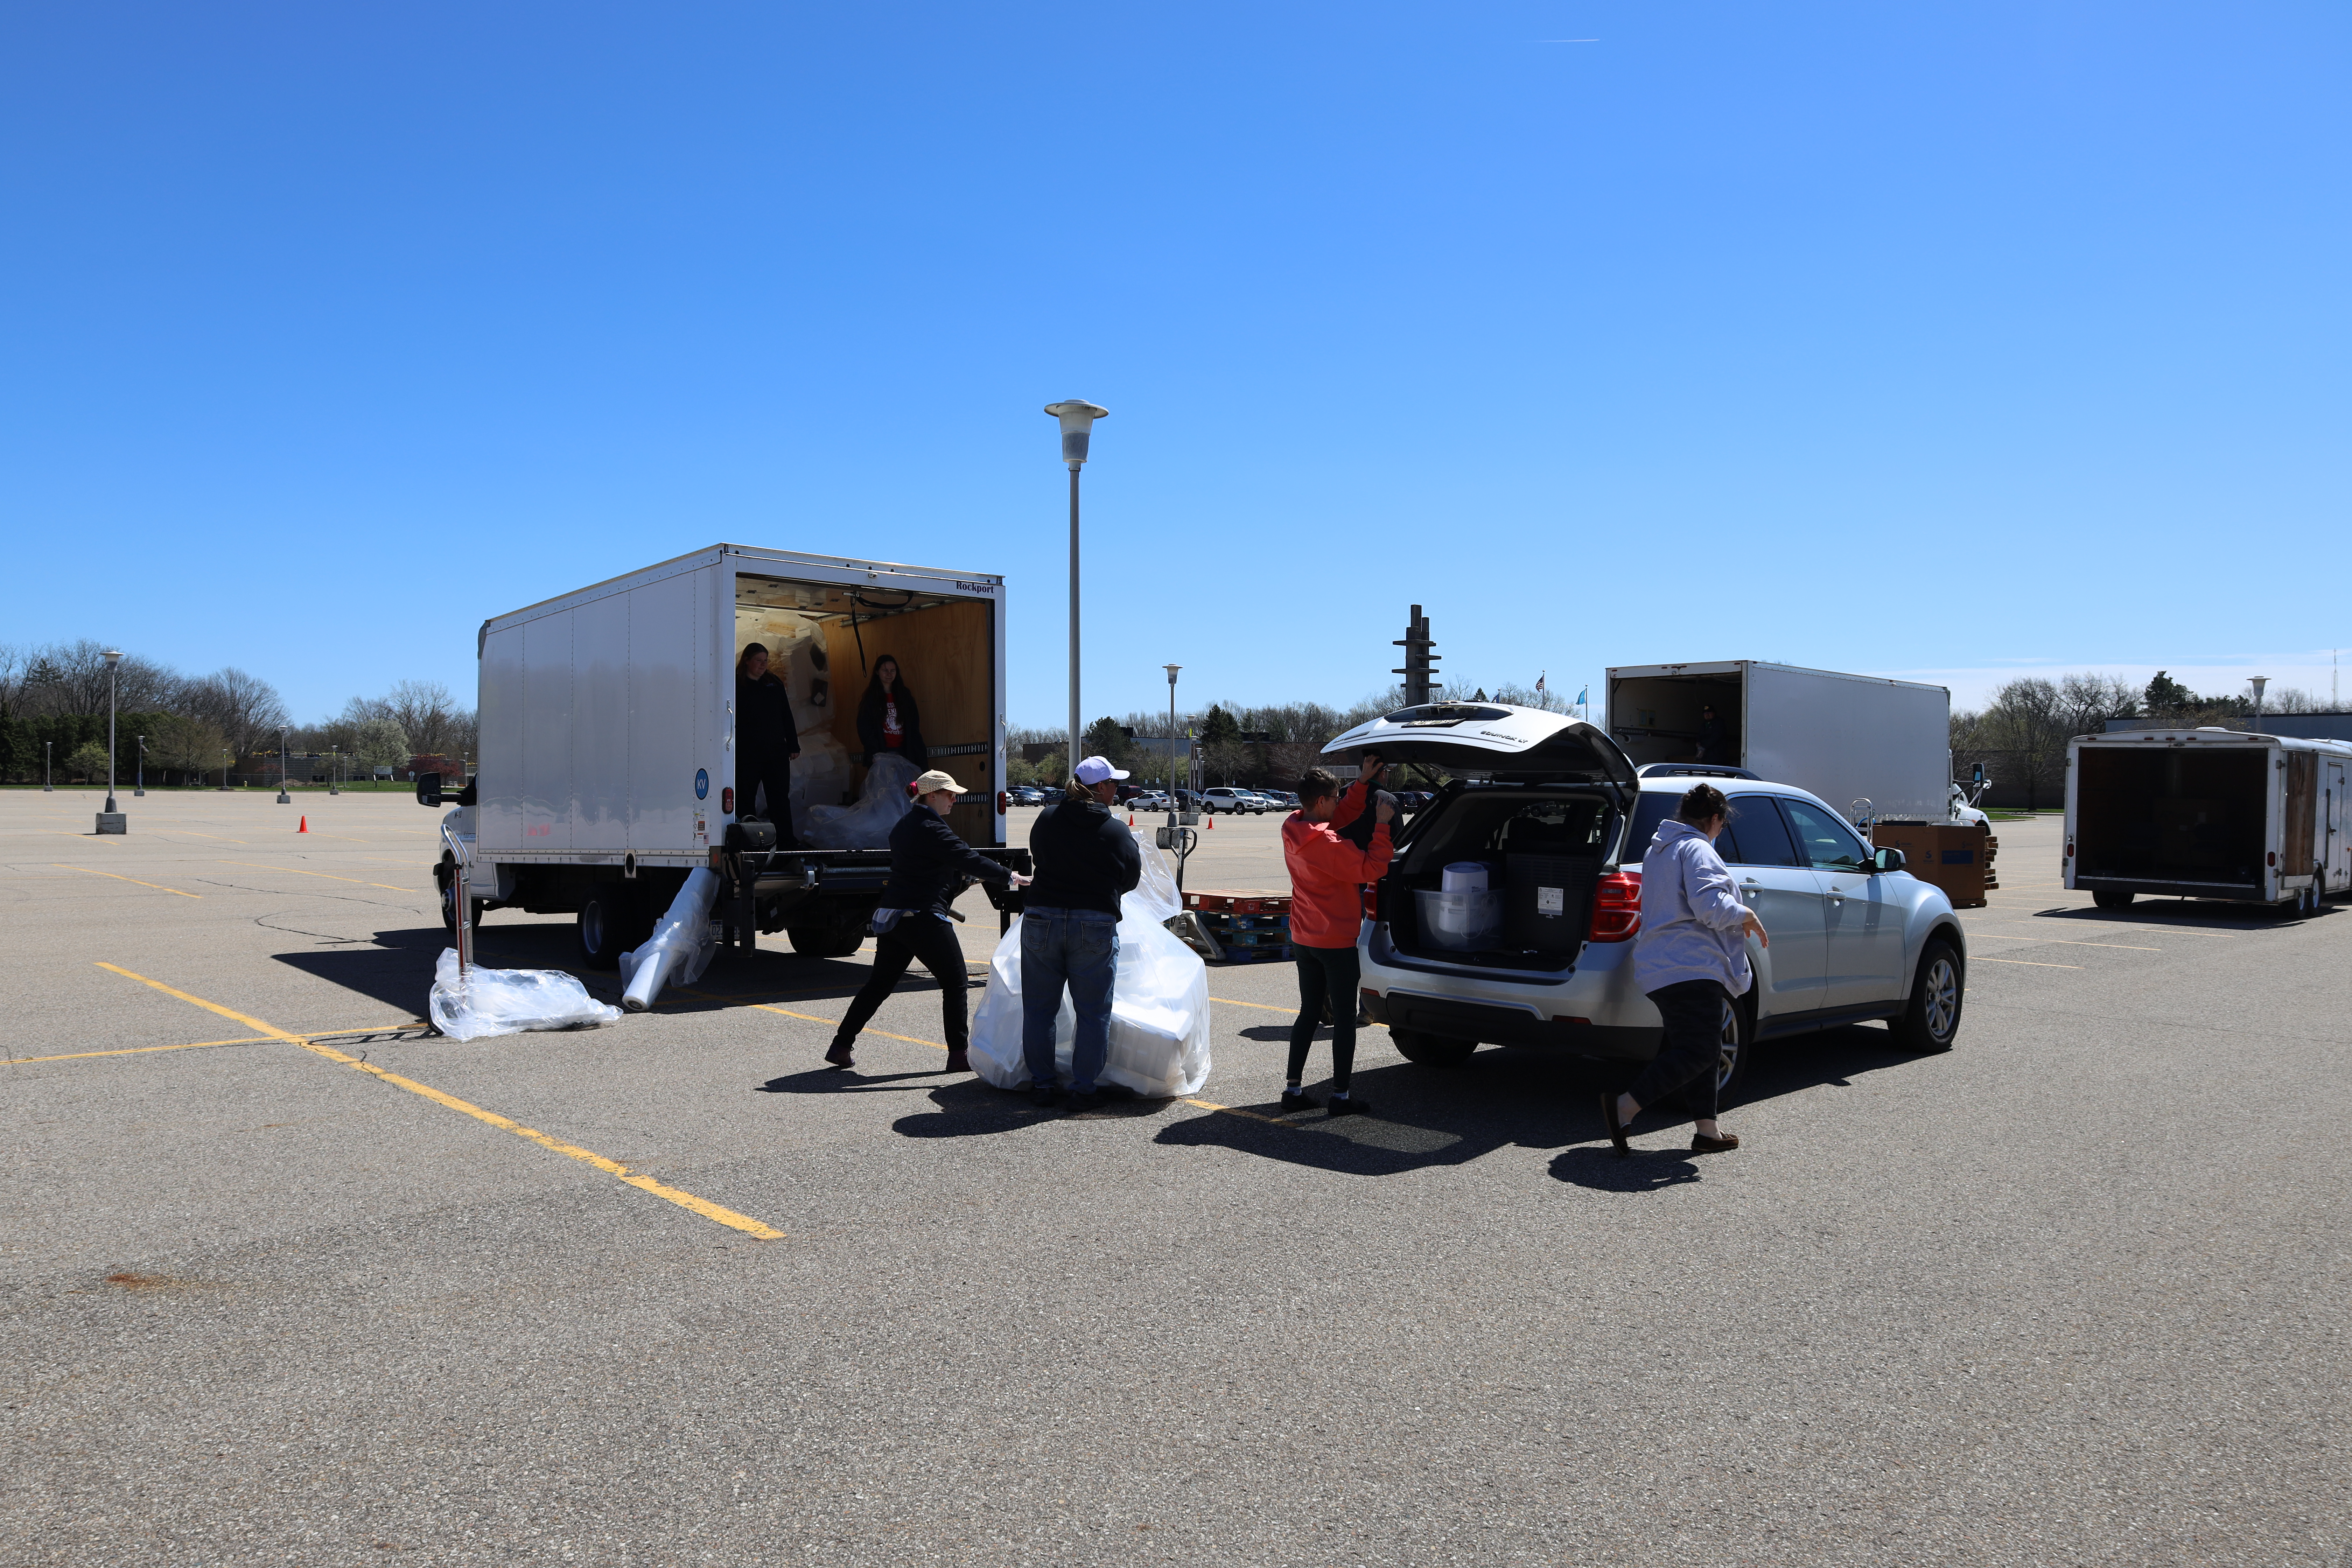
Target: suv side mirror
{"x":1889,"y":860}
{"x":428,"y":789}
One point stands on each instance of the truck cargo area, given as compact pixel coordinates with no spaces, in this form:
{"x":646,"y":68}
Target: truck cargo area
{"x":1655,"y":718}
{"x":1544,"y":851}
{"x":2187,"y":819}
{"x":824,"y":639}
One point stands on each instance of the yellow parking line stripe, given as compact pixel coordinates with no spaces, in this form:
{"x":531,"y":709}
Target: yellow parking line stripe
{"x":1227,"y":1002}
{"x":2065,"y":942}
{"x":200,"y":1045}
{"x":88,"y":872}
{"x":1234,"y":1110}
{"x":2026,"y":962}
{"x":296,"y":871}
{"x":645,"y":1184}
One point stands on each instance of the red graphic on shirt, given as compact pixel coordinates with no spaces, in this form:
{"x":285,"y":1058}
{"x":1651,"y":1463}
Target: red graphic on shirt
{"x":894,"y":734}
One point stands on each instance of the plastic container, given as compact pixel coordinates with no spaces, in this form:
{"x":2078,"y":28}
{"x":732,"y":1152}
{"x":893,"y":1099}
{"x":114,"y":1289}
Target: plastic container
{"x":1465,"y":877}
{"x":1459,"y":921}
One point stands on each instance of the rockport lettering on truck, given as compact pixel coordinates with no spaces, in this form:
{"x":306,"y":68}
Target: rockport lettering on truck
{"x":607,"y":716}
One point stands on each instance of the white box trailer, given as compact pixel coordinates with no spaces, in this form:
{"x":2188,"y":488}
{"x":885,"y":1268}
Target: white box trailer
{"x":1845,"y":738}
{"x":2207,"y":814}
{"x":608,"y":768}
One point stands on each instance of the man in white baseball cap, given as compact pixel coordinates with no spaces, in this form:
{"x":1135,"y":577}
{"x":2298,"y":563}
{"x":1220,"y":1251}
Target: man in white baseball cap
{"x":1069,"y":931}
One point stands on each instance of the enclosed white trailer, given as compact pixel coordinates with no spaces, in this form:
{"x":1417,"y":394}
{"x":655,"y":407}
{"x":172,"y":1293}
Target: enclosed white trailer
{"x":1845,"y":738}
{"x":608,"y":746}
{"x":2207,"y":814}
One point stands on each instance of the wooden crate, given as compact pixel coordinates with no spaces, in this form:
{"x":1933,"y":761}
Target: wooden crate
{"x":1952,"y":857}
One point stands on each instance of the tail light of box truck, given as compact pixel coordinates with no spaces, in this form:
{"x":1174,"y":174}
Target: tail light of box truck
{"x":1617,"y":907}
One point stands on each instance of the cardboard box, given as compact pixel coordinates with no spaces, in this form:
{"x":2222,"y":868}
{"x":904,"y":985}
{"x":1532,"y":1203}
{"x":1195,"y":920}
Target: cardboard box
{"x":1953,"y":857}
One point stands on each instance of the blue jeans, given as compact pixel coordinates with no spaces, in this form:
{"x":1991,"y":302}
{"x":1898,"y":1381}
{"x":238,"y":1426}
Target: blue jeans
{"x":1078,"y":948}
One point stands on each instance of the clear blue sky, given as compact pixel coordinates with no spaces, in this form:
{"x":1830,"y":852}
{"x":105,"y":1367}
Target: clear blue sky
{"x":1919,"y":338}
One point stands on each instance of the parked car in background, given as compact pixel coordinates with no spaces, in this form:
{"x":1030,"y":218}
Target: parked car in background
{"x":1561,"y":819}
{"x":1228,"y":799}
{"x":1150,"y":800}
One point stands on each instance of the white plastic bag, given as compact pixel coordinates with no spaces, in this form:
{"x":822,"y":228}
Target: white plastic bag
{"x":866,"y":825}
{"x":681,"y":947}
{"x":469,"y":1005}
{"x":1160,"y":1003}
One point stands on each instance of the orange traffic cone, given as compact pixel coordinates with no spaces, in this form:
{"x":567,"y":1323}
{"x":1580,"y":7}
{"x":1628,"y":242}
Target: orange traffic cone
{"x":305,"y":827}
{"x":1212,"y":816}
{"x":1130,"y":819}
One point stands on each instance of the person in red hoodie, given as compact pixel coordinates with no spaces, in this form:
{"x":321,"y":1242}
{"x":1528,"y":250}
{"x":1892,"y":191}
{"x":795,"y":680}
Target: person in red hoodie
{"x":1327,"y":872}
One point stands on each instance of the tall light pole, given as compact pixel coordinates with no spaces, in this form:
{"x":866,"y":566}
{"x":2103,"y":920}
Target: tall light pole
{"x":283,"y":798}
{"x":113,"y":658}
{"x":334,"y":769}
{"x":2258,"y":682}
{"x":1171,"y":755}
{"x":141,"y":787}
{"x":48,"y":750}
{"x":1077,"y":417}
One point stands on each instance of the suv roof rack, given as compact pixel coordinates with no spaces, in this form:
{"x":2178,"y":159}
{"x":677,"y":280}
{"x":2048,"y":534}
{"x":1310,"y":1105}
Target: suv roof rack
{"x":1695,"y":770}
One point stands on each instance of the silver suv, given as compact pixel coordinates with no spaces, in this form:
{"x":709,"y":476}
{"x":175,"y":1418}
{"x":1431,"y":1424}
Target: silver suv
{"x":1554,"y":814}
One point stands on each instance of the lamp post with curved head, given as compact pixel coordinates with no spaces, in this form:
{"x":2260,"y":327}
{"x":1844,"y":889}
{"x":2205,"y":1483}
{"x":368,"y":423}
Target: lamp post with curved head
{"x":113,"y":658}
{"x":1077,"y":417}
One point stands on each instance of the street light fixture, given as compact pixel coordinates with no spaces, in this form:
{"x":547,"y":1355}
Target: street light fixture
{"x":334,"y":770}
{"x":2258,"y":682}
{"x":141,"y":787}
{"x":283,"y":798}
{"x":1077,"y":417}
{"x":110,"y":819}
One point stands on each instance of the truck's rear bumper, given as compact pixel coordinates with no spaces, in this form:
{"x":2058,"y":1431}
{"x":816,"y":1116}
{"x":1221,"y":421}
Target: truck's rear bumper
{"x":2161,"y":886}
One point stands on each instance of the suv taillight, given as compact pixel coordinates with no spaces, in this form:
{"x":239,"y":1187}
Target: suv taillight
{"x":1617,"y":907}
{"x":1372,"y":901}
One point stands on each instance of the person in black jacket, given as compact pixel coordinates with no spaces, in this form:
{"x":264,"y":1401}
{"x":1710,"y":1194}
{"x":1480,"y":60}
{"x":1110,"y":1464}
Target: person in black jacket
{"x":766,"y":742}
{"x":929,"y":867}
{"x":887,"y":721}
{"x":1069,"y":931}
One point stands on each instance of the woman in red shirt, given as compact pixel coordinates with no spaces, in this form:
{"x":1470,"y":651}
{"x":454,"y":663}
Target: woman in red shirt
{"x":1327,"y":872}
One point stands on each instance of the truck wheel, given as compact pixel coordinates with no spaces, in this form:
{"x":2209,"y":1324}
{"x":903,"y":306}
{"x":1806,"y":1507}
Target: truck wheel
{"x":1432,"y":1050}
{"x":837,"y":938}
{"x":2111,"y":898}
{"x":446,"y":876}
{"x":607,"y":926}
{"x":1933,"y":1016}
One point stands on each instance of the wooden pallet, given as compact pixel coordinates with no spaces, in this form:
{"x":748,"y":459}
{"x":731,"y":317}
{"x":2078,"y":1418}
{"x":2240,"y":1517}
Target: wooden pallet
{"x":1211,"y":901}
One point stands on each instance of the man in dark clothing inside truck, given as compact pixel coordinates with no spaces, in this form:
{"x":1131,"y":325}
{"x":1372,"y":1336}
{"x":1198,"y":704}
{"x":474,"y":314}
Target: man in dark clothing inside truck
{"x":1086,"y":859}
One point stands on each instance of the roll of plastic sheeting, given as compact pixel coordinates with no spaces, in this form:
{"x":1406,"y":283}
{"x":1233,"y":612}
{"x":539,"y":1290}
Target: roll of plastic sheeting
{"x":467,"y":1005}
{"x":866,"y":825}
{"x":680,"y":949}
{"x":1159,"y":1003}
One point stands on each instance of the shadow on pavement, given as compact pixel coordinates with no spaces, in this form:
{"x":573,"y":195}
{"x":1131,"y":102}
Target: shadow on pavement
{"x":1604,"y":1171}
{"x":971,"y":1109}
{"x":1500,"y":1099}
{"x":2174,"y":914}
{"x":837,"y":1080}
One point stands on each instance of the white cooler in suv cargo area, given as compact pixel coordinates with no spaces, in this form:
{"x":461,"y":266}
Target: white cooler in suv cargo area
{"x":1552,"y":812}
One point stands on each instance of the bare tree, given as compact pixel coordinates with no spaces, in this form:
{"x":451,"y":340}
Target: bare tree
{"x":71,"y":681}
{"x":2027,"y":723}
{"x":15,"y":663}
{"x":192,"y":746}
{"x":2085,"y":702}
{"x":246,"y":709}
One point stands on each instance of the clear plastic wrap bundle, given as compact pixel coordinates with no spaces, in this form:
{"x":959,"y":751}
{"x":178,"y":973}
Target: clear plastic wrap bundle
{"x":1159,"y":1003}
{"x":470,"y":1003}
{"x":867,"y":823}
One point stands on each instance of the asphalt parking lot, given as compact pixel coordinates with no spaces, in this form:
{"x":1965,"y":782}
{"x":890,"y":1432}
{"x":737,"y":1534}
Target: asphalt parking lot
{"x":290,"y":1280}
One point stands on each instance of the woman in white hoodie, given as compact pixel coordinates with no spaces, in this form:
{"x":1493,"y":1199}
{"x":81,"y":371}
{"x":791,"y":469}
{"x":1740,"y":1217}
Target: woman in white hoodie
{"x":1692,"y":954}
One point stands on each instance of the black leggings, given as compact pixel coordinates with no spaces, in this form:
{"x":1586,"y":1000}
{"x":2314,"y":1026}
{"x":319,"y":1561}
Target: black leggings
{"x":1327,"y":976}
{"x":776,"y":772}
{"x":1690,"y":1058}
{"x":918,"y":935}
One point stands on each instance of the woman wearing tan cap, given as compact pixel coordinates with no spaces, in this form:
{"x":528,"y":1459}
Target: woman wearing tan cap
{"x":928,"y":866}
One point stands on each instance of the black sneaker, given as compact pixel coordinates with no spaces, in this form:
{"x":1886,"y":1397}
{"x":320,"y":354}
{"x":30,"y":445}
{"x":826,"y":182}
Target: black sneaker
{"x":1086,"y":1099}
{"x":1346,"y":1105}
{"x":1043,"y":1095}
{"x":1113,"y":1091}
{"x":1296,"y":1099}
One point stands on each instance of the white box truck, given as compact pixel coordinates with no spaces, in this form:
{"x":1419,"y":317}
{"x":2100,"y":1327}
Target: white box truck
{"x":1845,"y":738}
{"x":2207,"y":814}
{"x":607,"y":770}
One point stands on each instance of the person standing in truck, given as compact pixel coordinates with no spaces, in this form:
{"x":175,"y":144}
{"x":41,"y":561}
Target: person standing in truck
{"x":766,"y":742}
{"x":888,"y":724}
{"x":929,"y":867}
{"x":1327,"y":872}
{"x":1691,"y":959}
{"x":1710,"y":736}
{"x":1085,"y":859}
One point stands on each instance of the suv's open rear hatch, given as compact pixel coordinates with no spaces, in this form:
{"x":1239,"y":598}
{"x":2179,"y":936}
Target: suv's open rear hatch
{"x":1522,"y":744}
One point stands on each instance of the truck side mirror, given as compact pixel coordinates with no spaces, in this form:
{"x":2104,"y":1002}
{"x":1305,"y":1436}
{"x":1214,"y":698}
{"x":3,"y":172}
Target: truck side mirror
{"x":1889,"y":860}
{"x":428,"y":789}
